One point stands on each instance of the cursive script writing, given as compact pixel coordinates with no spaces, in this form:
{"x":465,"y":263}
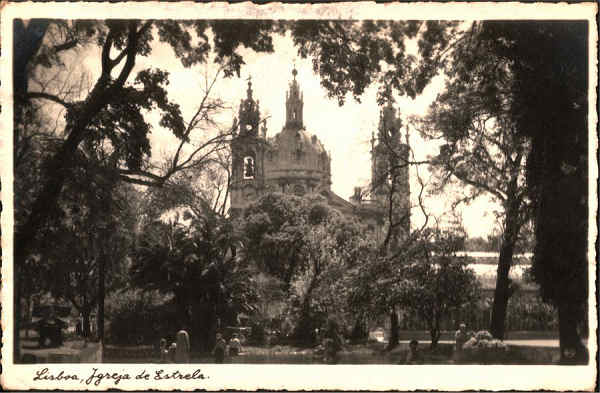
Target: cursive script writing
{"x":45,"y":375}
{"x":97,"y":376}
{"x":160,"y":374}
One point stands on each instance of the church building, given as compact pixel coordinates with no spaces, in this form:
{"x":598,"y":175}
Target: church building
{"x":295,"y":161}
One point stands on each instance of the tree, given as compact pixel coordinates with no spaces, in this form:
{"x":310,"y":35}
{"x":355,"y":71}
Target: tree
{"x":483,"y":149}
{"x":274,"y":228}
{"x":111,"y":110}
{"x":307,"y":245}
{"x":86,"y":236}
{"x":551,"y":60}
{"x":438,"y":283}
{"x":342,"y":244}
{"x":331,"y":245}
{"x":546,"y":60}
{"x":197,"y":266}
{"x":110,"y":113}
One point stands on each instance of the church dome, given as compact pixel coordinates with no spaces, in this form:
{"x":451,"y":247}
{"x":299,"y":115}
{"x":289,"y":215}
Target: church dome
{"x":295,"y":158}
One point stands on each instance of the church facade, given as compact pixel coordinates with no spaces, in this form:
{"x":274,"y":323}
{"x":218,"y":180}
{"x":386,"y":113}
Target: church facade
{"x":296,"y":161}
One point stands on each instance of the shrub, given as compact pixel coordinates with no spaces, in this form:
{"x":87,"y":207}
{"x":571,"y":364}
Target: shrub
{"x":258,"y":333}
{"x":138,"y":318}
{"x":482,"y":348}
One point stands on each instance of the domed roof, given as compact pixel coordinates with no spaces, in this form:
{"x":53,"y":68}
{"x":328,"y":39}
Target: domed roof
{"x":294,"y":156}
{"x":294,"y":139}
{"x":298,"y":151}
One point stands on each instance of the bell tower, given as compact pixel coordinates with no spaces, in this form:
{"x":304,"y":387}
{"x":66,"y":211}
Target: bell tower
{"x":249,"y":113}
{"x":294,"y":103}
{"x":390,"y":166}
{"x":247,"y":154}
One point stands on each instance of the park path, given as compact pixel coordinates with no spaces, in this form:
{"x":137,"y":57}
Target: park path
{"x":551,"y":343}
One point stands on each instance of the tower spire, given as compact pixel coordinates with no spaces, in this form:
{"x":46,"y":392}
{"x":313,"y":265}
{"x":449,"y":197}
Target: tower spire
{"x":294,"y":103}
{"x":249,"y":112}
{"x":249,"y":91}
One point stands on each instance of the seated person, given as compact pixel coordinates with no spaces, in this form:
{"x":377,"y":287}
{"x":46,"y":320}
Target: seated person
{"x":235,"y":346}
{"x":414,"y":356}
{"x":172,"y":352}
{"x":461,"y":336}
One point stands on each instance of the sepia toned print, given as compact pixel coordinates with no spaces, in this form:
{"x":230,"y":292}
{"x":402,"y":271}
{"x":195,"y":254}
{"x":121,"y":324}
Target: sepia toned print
{"x":309,"y":197}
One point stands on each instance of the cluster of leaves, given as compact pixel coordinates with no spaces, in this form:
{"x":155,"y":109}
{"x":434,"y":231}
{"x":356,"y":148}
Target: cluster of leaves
{"x":104,"y":126}
{"x":553,"y":63}
{"x":274,"y":228}
{"x":197,"y":265}
{"x":91,"y":229}
{"x":438,"y":284}
{"x":308,"y":246}
{"x":426,"y":279}
{"x":110,"y":116}
{"x":351,"y":56}
{"x":139,"y":316}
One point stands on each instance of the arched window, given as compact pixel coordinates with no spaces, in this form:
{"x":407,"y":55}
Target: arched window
{"x":249,"y":167}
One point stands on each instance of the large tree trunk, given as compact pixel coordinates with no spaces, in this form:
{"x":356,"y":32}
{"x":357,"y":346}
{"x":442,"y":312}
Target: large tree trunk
{"x":181,"y":305}
{"x":85,"y":313}
{"x":17,"y":313}
{"x":101,"y":290}
{"x":572,"y":349}
{"x":509,"y":239}
{"x":394,"y":339}
{"x":501,"y":294}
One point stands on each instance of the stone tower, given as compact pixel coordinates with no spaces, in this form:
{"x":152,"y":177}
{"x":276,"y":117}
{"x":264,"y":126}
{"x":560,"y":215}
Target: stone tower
{"x":295,"y":160}
{"x":247,"y":151}
{"x":389,"y":166}
{"x":294,"y":104}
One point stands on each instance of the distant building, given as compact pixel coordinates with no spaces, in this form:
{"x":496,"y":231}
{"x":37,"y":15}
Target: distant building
{"x":296,"y":161}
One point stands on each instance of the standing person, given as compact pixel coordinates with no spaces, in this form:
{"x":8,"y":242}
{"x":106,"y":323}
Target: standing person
{"x":235,"y":345}
{"x":182,"y":355}
{"x":332,"y":342}
{"x":164,"y":351}
{"x":461,"y":336}
{"x":172,"y":351}
{"x":220,"y":347}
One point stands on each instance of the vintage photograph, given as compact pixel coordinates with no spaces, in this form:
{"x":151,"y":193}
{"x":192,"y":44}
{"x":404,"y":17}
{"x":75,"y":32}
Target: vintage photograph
{"x":194,"y":193}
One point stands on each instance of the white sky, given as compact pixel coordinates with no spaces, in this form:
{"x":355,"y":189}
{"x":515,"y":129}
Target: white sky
{"x":345,"y":131}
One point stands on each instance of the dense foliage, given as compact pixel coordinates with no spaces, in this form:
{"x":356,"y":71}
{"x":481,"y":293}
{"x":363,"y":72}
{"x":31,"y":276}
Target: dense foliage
{"x":197,"y":265}
{"x":308,"y":246}
{"x":438,"y":284}
{"x":483,"y":149}
{"x":543,"y":98}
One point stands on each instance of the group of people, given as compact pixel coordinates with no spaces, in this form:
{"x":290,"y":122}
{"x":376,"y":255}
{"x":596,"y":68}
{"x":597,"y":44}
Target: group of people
{"x":222,"y":348}
{"x":178,"y":351}
{"x":414,"y":356}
